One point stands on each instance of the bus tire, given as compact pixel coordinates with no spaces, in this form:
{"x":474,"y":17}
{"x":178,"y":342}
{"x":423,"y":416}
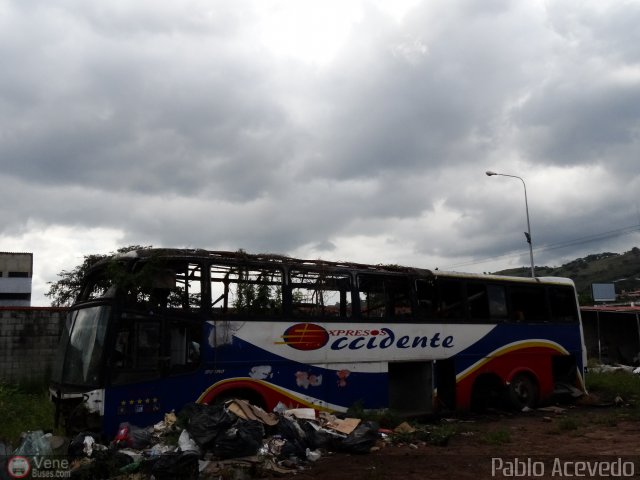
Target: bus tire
{"x":522,"y":392}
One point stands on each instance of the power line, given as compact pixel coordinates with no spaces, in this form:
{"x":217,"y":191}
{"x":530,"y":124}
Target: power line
{"x":598,"y":236}
{"x":619,"y":232}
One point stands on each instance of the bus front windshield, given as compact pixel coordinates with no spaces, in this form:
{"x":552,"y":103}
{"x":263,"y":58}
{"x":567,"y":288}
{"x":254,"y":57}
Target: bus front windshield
{"x":81,"y":348}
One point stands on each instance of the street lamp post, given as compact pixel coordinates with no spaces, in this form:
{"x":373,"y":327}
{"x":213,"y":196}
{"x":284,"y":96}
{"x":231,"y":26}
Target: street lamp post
{"x":527,"y":234}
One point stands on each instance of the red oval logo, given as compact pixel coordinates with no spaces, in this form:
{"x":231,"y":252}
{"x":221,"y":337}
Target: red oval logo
{"x":18,"y":467}
{"x":305,"y":336}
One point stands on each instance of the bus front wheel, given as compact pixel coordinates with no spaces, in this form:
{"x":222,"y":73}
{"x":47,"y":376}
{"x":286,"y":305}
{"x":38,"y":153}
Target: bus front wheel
{"x":522,"y":392}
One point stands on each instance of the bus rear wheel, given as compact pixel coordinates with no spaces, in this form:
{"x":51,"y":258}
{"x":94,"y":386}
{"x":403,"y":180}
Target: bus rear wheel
{"x":522,"y":392}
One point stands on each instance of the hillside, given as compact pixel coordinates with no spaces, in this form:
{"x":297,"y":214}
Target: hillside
{"x":621,"y":269}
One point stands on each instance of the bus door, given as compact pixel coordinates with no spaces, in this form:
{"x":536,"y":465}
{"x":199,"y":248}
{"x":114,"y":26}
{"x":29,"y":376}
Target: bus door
{"x":438,"y":303}
{"x":156,"y":354}
{"x":411,"y":387}
{"x":445,"y":383}
{"x":386,"y":300}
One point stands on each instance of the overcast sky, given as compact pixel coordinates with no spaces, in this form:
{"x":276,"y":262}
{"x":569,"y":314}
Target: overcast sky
{"x":347,"y":130}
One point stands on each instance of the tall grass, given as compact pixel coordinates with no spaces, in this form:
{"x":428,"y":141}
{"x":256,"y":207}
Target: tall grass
{"x":609,"y":385}
{"x":497,"y":437}
{"x":23,"y":409}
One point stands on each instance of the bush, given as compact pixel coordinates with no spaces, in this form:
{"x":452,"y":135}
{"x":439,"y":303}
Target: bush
{"x":609,"y":385}
{"x":22,"y":410}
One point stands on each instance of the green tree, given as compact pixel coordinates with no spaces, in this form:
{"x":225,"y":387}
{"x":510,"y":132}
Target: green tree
{"x":64,"y":291}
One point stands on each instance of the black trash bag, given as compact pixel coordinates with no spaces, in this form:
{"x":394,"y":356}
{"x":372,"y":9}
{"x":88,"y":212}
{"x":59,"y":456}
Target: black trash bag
{"x":106,"y":464}
{"x":132,"y":436}
{"x":360,"y":440}
{"x":296,"y":442}
{"x":317,"y":438}
{"x":76,"y":446}
{"x":291,"y":449}
{"x":205,"y":422}
{"x":187,"y":411}
{"x":175,"y":465}
{"x":243,"y":439}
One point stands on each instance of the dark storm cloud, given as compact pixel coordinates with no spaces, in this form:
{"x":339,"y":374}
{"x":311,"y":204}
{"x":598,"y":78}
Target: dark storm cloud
{"x":598,"y":29}
{"x":586,"y":123}
{"x":173,"y":119}
{"x":179,"y":124}
{"x":414,"y":100}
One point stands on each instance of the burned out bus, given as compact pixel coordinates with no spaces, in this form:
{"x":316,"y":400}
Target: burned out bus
{"x":155,"y":329}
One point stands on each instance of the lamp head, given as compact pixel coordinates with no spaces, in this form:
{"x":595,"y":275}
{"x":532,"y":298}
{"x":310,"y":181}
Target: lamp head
{"x":490,"y":173}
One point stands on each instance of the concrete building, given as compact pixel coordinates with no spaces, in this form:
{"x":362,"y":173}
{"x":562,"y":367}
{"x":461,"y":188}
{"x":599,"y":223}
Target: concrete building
{"x":16,"y":272}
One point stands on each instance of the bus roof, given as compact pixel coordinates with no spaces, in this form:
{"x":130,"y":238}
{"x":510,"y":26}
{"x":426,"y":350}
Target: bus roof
{"x":510,"y":278}
{"x":278,"y":259}
{"x":272,"y":258}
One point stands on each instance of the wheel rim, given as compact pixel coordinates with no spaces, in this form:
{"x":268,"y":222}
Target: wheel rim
{"x":523,"y":392}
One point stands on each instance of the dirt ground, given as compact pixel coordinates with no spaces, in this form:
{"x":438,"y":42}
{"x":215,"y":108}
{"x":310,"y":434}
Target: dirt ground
{"x":536,"y":444}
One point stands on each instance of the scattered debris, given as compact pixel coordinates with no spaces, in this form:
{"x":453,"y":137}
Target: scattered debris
{"x":35,"y":443}
{"x":132,"y":436}
{"x":301,"y":413}
{"x":210,"y":441}
{"x":592,"y":400}
{"x":237,"y":440}
{"x":552,"y":409}
{"x":169,"y":420}
{"x":404,"y":427}
{"x":345,"y":426}
{"x":246,"y":411}
{"x":359,"y":440}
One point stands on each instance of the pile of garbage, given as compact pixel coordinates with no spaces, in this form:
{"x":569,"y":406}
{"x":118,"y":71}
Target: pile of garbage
{"x":209,"y":441}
